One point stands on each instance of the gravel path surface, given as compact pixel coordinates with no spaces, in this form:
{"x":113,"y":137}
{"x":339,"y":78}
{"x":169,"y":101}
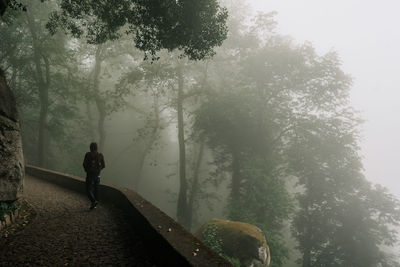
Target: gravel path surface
{"x":66,"y":233}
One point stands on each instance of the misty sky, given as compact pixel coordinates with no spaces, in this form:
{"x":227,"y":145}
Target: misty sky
{"x":366,"y":36}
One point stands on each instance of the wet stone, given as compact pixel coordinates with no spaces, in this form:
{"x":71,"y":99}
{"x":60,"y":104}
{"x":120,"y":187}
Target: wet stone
{"x":66,"y":233}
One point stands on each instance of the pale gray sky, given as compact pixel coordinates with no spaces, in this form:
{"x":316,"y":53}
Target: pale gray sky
{"x":366,"y":35}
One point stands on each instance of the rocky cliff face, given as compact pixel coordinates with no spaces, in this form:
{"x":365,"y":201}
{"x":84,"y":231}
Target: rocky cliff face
{"x":11,"y":158}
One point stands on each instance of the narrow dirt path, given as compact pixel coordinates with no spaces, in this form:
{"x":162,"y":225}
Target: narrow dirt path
{"x":66,"y":233}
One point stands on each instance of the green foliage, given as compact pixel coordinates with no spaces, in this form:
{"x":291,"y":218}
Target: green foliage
{"x":210,"y":238}
{"x":340,"y":221}
{"x":264,"y":202}
{"x":232,"y":124}
{"x":283,"y":111}
{"x":193,"y":26}
{"x":235,"y":262}
{"x":7,"y":208}
{"x":27,"y":37}
{"x":12,"y":4}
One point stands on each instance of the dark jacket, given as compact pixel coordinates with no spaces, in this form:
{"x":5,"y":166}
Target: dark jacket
{"x":93,"y":156}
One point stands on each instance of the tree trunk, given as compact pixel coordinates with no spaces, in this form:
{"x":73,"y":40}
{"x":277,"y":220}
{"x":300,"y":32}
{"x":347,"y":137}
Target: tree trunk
{"x":196,"y":172}
{"x":307,"y":239}
{"x":100,"y":103}
{"x":140,"y":162}
{"x":182,"y":198}
{"x":235,"y":185}
{"x":306,"y":258}
{"x":3,"y":6}
{"x":43,"y":84}
{"x":90,"y":121}
{"x":100,"y":127}
{"x":42,"y":127}
{"x":148,"y":143}
{"x":195,"y":184}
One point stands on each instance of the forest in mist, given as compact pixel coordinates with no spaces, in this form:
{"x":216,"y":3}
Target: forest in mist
{"x":259,"y":129}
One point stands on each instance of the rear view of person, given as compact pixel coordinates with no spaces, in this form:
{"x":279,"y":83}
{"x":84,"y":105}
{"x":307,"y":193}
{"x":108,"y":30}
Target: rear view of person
{"x":93,"y":163}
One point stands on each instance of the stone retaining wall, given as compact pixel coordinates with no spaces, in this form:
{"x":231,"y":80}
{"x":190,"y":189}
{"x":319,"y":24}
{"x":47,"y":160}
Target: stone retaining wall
{"x":11,"y":156}
{"x":170,"y":241}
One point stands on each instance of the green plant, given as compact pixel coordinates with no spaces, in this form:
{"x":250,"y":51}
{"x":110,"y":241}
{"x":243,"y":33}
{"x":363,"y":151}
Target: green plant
{"x":235,"y":261}
{"x":211,"y":239}
{"x":7,"y":208}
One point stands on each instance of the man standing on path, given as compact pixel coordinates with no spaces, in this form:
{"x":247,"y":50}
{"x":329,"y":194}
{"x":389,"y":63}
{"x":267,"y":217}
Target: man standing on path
{"x":93,"y":163}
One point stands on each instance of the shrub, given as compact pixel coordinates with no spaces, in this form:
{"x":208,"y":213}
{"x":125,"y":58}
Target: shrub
{"x":7,"y":208}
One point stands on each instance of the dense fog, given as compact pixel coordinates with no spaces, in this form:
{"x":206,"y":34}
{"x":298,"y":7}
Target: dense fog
{"x":273,"y":121}
{"x":368,"y":50}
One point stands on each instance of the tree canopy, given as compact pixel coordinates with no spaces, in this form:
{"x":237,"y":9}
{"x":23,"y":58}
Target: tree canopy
{"x":193,"y":26}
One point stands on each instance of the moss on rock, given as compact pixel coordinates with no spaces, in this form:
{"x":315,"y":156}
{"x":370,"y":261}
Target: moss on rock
{"x":239,"y":240}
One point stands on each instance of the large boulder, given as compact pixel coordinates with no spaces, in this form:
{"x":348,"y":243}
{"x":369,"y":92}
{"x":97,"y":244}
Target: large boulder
{"x":239,"y":240}
{"x":11,"y":157}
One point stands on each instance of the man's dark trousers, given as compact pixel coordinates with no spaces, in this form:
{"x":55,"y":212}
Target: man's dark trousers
{"x":92,"y":185}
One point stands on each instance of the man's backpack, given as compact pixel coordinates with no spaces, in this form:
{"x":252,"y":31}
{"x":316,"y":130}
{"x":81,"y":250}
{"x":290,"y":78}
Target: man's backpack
{"x":94,"y":165}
